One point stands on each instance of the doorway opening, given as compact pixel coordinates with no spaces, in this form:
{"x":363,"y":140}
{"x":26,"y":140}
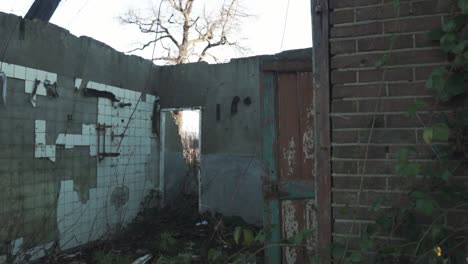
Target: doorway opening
{"x":180,"y":154}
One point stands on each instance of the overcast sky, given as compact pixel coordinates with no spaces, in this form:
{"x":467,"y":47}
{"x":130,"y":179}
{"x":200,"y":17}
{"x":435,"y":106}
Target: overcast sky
{"x":99,"y":19}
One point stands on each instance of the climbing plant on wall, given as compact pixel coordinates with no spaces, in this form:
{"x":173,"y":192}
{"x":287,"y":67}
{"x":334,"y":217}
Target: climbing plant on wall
{"x":423,"y":215}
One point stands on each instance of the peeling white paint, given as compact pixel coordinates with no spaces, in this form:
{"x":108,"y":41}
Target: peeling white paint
{"x":41,"y":149}
{"x":310,"y":216}
{"x":30,"y":75}
{"x":310,"y":113}
{"x":289,"y":154}
{"x":308,"y":144}
{"x":81,"y":221}
{"x":290,"y":229}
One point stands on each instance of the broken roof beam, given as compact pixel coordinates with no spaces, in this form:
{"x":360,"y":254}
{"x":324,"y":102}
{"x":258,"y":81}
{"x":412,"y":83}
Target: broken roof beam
{"x":42,"y":9}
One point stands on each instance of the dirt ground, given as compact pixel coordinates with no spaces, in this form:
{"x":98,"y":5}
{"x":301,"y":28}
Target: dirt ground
{"x":172,"y":235}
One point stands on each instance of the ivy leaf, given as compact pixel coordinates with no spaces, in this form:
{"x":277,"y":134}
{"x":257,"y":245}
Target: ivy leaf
{"x":454,"y":24}
{"x":338,"y":250}
{"x":396,"y":4}
{"x":456,"y":84}
{"x":437,"y":81}
{"x":436,"y":231}
{"x":248,"y":236}
{"x":428,"y":134}
{"x":365,"y":244}
{"x":436,"y":34}
{"x":446,"y":175}
{"x":440,"y":132}
{"x":260,"y":237}
{"x":314,"y":260}
{"x":417,"y":105}
{"x":449,"y":26}
{"x":463,"y":5}
{"x":403,"y":155}
{"x":237,"y":234}
{"x":423,"y":202}
{"x":408,"y":169}
{"x":356,"y":257}
{"x":377,"y":204}
{"x":448,"y":42}
{"x":381,"y":61}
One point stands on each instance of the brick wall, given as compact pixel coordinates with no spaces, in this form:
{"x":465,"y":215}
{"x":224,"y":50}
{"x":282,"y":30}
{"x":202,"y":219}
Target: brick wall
{"x":369,"y":105}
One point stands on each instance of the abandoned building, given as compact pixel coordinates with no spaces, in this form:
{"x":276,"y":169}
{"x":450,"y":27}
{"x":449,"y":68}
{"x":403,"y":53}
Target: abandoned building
{"x":288,"y":141}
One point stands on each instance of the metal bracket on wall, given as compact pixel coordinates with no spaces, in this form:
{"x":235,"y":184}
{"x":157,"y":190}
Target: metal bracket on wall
{"x":32,"y":97}
{"x":51,"y":89}
{"x":3,"y":82}
{"x":101,"y":130}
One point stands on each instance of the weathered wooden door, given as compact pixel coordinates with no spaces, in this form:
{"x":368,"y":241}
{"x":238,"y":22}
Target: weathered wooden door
{"x":288,"y":155}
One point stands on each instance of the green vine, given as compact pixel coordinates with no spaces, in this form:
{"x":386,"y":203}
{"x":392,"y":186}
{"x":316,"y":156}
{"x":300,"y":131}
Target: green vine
{"x":419,"y":217}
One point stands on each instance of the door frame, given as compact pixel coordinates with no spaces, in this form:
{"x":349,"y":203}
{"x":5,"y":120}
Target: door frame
{"x":162,"y":138}
{"x":269,"y":71}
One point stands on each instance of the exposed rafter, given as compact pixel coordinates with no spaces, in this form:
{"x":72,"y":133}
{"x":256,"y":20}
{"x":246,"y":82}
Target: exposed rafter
{"x":42,"y":9}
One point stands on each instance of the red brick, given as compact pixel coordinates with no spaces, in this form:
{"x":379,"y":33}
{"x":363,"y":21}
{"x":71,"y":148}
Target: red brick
{"x":457,"y":219}
{"x":430,"y":7}
{"x":389,"y":104}
{"x":422,"y":40}
{"x":420,"y":152}
{"x":423,"y":73}
{"x":340,"y":137}
{"x":395,"y":58}
{"x":403,"y":74}
{"x":384,"y":43}
{"x":388,"y":136}
{"x":345,"y":166}
{"x":412,"y":24}
{"x":357,"y":30}
{"x":416,"y":57}
{"x":374,"y":167}
{"x":351,"y":3}
{"x":347,"y":228}
{"x":359,"y":152}
{"x":407,"y":89}
{"x":342,"y":16}
{"x":367,"y":197}
{"x":350,"y":182}
{"x":357,"y":91}
{"x":340,"y":106}
{"x":382,"y":12}
{"x":342,"y":47}
{"x":341,"y":77}
{"x":354,"y":61}
{"x":403,"y":120}
{"x":357,"y":121}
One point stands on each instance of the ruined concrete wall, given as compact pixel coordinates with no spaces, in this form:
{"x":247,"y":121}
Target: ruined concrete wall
{"x":54,"y":189}
{"x":231,"y":167}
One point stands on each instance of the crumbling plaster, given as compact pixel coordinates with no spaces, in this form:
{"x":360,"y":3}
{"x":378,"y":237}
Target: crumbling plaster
{"x":55,"y":191}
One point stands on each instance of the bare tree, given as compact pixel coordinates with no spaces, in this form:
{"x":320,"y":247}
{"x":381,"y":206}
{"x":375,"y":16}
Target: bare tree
{"x":187,"y":32}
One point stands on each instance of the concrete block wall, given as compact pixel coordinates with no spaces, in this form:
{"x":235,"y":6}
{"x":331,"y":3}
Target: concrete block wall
{"x":54,"y":189}
{"x":231,"y":166}
{"x":230,"y":154}
{"x":369,"y":104}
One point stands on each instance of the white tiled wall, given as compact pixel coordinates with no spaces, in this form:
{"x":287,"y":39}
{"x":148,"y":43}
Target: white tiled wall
{"x":80,"y":222}
{"x":84,"y":222}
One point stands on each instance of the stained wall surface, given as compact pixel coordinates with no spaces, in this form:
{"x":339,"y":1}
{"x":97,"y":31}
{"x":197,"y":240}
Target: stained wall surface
{"x":231,"y":167}
{"x":55,"y":190}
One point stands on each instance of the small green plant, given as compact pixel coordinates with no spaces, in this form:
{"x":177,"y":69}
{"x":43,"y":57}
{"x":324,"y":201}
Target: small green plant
{"x":102,"y":257}
{"x":168,"y":244}
{"x":216,"y":256}
{"x":180,"y":259}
